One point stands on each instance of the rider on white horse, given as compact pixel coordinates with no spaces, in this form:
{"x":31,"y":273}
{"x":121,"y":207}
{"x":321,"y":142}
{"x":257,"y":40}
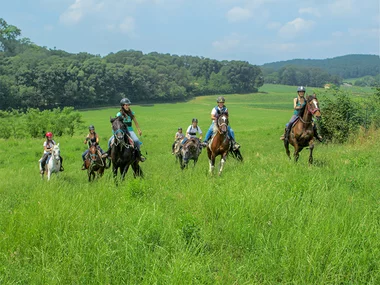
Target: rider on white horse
{"x":48,"y":145}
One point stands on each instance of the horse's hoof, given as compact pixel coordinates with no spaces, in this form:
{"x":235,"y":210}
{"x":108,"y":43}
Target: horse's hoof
{"x":42,"y":172}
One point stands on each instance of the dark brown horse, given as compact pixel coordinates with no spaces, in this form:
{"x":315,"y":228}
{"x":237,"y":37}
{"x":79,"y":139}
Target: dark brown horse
{"x":302,"y":133}
{"x":94,"y":163}
{"x":219,"y":144}
{"x":123,"y":151}
{"x":189,"y":151}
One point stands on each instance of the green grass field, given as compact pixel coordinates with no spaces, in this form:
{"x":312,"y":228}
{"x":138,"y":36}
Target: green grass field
{"x":264,"y":221}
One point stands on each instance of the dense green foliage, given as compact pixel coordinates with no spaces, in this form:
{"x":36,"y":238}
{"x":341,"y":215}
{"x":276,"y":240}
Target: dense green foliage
{"x":344,"y":115}
{"x":36,"y":77}
{"x":34,"y":123}
{"x":373,"y":81}
{"x":348,"y":66}
{"x":306,"y":76}
{"x":264,"y":221}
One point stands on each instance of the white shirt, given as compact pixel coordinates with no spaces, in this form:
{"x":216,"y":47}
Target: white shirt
{"x":48,"y":145}
{"x":193,"y":131}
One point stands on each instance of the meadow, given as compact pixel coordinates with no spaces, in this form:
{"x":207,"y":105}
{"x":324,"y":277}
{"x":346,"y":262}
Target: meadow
{"x":264,"y":221}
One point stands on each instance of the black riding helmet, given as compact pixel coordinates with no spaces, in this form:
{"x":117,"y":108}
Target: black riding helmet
{"x":180,"y":128}
{"x":91,"y":128}
{"x":125,"y":101}
{"x":194,"y":120}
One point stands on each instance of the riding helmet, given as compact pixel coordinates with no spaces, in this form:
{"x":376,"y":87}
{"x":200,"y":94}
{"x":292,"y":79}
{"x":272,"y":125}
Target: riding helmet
{"x":180,"y":128}
{"x":91,"y":127}
{"x":220,"y":99}
{"x":194,"y":120}
{"x":301,"y":89}
{"x":125,"y":101}
{"x":49,"y":135}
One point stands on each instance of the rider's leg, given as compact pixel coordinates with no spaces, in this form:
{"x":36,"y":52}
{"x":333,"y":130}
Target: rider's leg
{"x":84,"y":158}
{"x":289,"y":127}
{"x":209,"y":133}
{"x":43,"y":162}
{"x":318,"y":136}
{"x":231,"y":134}
{"x":61,"y":159}
{"x":137,"y":146}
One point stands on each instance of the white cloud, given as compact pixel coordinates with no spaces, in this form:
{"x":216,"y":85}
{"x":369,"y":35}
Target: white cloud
{"x":227,"y":44}
{"x":237,"y":14}
{"x":295,"y":28}
{"x":273,"y":25}
{"x":369,"y":33}
{"x":341,"y":7}
{"x":127,"y":26}
{"x":310,"y":10}
{"x":76,"y":11}
{"x":337,"y":34}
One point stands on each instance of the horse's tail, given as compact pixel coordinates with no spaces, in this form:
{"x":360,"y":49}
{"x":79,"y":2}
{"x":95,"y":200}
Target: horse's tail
{"x":236,"y":154}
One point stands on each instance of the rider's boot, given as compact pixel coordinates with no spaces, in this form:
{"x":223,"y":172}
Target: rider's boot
{"x":283,"y":136}
{"x":42,"y":170}
{"x":61,"y":168}
{"x":318,"y":136}
{"x":235,"y":145}
{"x":83,"y":166}
{"x":140,"y":157}
{"x":287,"y":132}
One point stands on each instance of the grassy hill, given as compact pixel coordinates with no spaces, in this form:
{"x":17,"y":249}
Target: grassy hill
{"x":264,"y":221}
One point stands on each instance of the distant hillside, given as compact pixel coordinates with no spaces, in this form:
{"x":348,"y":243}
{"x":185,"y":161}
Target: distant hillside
{"x":347,"y":66}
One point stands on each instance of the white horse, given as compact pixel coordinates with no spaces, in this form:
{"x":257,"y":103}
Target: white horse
{"x":54,"y":164}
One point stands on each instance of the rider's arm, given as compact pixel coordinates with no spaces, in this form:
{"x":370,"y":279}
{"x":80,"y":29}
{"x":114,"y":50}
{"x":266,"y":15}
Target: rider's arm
{"x":137,"y":125}
{"x":86,"y":139}
{"x":295,"y":104}
{"x":97,"y":138}
{"x":200,"y":133}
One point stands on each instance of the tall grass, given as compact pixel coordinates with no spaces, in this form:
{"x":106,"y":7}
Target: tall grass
{"x":264,"y":221}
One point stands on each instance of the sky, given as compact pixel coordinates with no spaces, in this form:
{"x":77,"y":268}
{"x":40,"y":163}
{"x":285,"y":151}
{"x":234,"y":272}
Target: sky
{"x":257,"y":31}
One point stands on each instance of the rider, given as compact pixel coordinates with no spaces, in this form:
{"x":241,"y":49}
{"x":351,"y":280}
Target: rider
{"x":215,"y":113}
{"x":129,"y":116}
{"x":192,"y":131}
{"x":48,"y":145}
{"x":299,"y":102}
{"x":91,"y":138}
{"x":178,"y":136}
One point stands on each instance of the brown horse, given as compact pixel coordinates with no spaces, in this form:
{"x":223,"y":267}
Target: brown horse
{"x":219,"y":144}
{"x":302,"y":132}
{"x":94,"y":163}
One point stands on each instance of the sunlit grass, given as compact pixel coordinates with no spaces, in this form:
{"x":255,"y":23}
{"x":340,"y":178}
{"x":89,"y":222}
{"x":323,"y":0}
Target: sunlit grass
{"x":264,"y":221}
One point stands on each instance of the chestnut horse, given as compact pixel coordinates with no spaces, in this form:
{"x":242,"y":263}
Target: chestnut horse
{"x":302,"y":132}
{"x":94,"y":162}
{"x":219,"y":144}
{"x":123,"y":152}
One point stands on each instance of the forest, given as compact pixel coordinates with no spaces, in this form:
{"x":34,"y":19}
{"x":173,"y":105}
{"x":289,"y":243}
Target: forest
{"x":32,"y":76}
{"x":37,"y":77}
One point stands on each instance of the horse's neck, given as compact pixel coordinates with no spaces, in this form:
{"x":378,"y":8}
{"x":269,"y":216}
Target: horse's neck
{"x":307,"y":116}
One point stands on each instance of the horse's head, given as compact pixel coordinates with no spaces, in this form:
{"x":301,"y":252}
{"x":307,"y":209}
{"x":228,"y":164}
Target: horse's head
{"x":118,"y":128}
{"x":313,"y":106}
{"x":222,"y":123}
{"x":55,"y":151}
{"x":93,"y":150}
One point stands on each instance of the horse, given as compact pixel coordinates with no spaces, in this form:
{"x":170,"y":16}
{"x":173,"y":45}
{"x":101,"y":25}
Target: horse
{"x":53,"y":162}
{"x":123,"y":152}
{"x":302,"y":132}
{"x":219,"y":144}
{"x":189,"y":151}
{"x":95,"y":163}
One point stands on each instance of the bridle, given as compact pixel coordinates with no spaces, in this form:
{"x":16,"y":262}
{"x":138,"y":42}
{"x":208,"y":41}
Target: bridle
{"x":310,"y":110}
{"x":224,"y":122}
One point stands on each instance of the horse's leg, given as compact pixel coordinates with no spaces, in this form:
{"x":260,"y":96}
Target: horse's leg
{"x":297,"y":150}
{"x":311,"y":147}
{"x":212,"y":163}
{"x":125,"y":170}
{"x":222,"y":161}
{"x":137,"y":172}
{"x":286,"y":144}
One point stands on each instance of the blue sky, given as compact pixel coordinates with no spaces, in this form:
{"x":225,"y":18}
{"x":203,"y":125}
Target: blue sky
{"x":257,"y":31}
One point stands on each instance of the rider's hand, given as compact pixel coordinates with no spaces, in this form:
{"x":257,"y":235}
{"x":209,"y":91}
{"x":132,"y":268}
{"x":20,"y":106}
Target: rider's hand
{"x":140,"y":132}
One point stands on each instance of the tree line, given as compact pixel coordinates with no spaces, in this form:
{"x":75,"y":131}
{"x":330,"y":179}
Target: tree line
{"x":347,"y":66}
{"x":38,"y":77}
